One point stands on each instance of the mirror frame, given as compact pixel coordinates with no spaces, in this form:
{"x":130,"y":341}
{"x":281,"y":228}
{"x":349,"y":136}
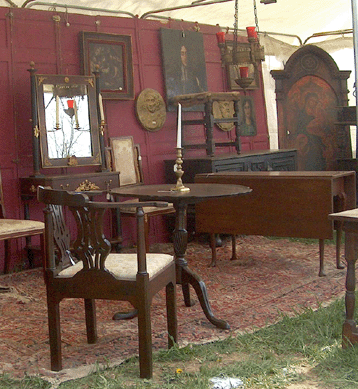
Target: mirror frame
{"x":90,"y":82}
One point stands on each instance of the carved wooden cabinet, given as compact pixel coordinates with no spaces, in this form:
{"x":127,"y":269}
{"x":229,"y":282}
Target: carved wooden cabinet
{"x":266,"y":160}
{"x":308,"y":91}
{"x":96,"y":182}
{"x":77,"y":182}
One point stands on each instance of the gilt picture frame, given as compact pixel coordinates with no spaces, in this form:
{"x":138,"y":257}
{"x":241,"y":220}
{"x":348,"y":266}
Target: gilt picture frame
{"x":112,"y":54}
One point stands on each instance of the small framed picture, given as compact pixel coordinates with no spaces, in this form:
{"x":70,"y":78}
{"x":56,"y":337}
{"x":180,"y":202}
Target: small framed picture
{"x":112,"y":55}
{"x":248,"y":117}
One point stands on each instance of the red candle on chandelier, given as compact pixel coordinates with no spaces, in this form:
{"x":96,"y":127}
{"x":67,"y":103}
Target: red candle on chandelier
{"x":244,"y":72}
{"x":70,"y":103}
{"x":251,"y":32}
{"x":220,"y":36}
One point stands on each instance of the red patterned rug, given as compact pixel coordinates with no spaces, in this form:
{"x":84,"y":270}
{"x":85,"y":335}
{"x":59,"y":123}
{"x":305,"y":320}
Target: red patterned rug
{"x":271,"y":276}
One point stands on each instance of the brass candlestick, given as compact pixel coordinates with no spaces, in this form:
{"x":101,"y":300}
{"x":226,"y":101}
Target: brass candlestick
{"x":179,"y":173}
{"x":102,"y":127}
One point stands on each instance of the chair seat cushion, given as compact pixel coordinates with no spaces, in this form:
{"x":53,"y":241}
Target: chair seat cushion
{"x":124,"y":266}
{"x":13,"y":226}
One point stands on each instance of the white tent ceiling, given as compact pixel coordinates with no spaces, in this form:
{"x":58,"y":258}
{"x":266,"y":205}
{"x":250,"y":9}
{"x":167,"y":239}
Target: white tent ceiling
{"x":287,"y":18}
{"x":296,"y":17}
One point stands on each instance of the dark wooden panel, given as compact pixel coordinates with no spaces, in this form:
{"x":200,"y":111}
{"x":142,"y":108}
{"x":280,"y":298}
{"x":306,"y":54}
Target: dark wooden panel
{"x":249,"y":161}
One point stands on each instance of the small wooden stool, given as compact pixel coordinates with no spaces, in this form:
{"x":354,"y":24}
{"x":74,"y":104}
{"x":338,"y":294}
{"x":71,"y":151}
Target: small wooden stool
{"x":350,"y":227}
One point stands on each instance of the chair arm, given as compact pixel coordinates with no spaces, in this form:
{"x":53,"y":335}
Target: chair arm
{"x":125,"y":205}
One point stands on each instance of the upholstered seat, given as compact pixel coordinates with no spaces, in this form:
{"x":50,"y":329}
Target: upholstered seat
{"x":16,"y":229}
{"x":124,"y":266}
{"x":10,"y":227}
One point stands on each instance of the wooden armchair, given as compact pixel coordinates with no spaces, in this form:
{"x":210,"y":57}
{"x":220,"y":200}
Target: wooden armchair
{"x":90,"y":271}
{"x":127,"y":160}
{"x":15,"y":229}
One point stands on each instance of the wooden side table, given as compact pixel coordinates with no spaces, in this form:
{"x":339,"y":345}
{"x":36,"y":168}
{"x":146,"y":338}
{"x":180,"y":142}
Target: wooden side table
{"x":350,"y":227}
{"x":181,"y":200}
{"x":284,"y":204}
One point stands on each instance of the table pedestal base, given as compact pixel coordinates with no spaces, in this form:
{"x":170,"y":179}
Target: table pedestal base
{"x":190,"y":278}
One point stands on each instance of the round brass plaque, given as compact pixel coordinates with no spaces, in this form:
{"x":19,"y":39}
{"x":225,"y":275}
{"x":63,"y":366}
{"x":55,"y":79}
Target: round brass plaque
{"x":151,"y":110}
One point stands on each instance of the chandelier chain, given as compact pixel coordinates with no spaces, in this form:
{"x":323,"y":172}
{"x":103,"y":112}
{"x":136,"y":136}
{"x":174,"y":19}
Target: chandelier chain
{"x":236,"y":20}
{"x":256,"y":18}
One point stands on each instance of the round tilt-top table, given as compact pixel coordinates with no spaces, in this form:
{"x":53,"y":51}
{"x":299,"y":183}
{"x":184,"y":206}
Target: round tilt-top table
{"x":181,"y":200}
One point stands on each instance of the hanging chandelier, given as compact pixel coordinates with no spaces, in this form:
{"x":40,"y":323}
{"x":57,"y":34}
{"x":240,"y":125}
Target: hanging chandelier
{"x":236,"y":53}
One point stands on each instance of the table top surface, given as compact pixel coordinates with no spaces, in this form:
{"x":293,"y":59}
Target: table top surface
{"x":351,"y":215}
{"x":165,"y":192}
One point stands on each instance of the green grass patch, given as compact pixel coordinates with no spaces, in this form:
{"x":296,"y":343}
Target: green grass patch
{"x":302,"y":350}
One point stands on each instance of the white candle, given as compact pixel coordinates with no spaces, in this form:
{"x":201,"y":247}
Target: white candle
{"x":179,"y":127}
{"x":57,"y":111}
{"x":100,"y":103}
{"x":76,"y":114}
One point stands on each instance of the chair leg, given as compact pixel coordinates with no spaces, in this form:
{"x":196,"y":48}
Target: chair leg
{"x":91,"y":323}
{"x":53,"y":308}
{"x":30,"y":252}
{"x":338,"y":245}
{"x":7,"y":256}
{"x":146,"y":232}
{"x":144,"y":328}
{"x":172,"y":314}
{"x":321,"y":272}
{"x":233,"y":245}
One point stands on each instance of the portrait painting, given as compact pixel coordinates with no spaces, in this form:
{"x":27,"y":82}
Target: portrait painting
{"x":310,"y":117}
{"x":111,"y":55}
{"x":183,"y":63}
{"x":248,"y":116}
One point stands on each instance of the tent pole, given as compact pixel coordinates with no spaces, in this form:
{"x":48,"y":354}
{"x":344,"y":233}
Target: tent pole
{"x":355,"y":46}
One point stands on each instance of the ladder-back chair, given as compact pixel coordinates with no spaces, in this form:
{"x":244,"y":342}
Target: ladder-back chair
{"x":90,"y":271}
{"x":127,"y":160}
{"x":16,"y":229}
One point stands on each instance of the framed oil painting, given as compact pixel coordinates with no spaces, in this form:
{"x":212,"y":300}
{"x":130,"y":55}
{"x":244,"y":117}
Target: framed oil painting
{"x":311,"y":116}
{"x":183,"y":64}
{"x":113,"y":55}
{"x":247,"y":112}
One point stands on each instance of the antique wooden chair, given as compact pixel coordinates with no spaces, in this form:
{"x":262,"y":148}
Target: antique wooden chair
{"x":15,"y":229}
{"x":127,"y":160}
{"x":90,"y":271}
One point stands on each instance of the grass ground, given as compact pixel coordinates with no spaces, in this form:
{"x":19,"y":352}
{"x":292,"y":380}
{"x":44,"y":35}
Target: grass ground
{"x":296,"y":353}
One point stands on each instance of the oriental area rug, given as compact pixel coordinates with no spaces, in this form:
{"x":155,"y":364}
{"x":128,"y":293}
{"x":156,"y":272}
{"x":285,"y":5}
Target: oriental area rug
{"x":271,"y":277}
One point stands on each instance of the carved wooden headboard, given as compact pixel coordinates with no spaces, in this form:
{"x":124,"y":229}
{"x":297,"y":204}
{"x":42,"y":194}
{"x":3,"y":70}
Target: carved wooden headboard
{"x":308,"y":93}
